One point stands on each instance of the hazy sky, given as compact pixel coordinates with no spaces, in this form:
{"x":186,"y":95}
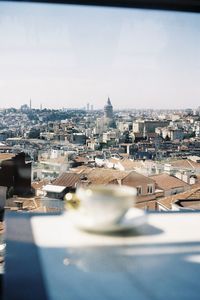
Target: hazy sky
{"x":66,"y":56}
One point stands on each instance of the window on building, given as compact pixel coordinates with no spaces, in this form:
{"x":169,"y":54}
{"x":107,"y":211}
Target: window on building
{"x":139,"y":190}
{"x":149,"y":189}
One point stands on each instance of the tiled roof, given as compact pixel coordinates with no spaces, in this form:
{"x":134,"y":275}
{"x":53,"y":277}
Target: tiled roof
{"x":80,"y":169}
{"x":190,"y":204}
{"x":185,"y":164}
{"x":67,"y":179}
{"x":28,"y":203}
{"x":104,"y":176}
{"x":37,"y":185}
{"x":112,"y":176}
{"x":131,"y":164}
{"x":135,"y":179}
{"x":114,"y":160}
{"x":5,"y":156}
{"x":58,"y":160}
{"x":167,"y":182}
{"x":194,"y":193}
{"x":150,"y":205}
{"x":145,"y":198}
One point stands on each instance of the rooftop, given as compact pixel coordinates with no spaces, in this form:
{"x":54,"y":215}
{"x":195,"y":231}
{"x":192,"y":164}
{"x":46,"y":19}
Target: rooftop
{"x":6,"y":156}
{"x":167,"y":202}
{"x":39,"y":184}
{"x":191,"y":204}
{"x":185,"y":164}
{"x":135,"y":179}
{"x":54,"y":188}
{"x":103,"y":176}
{"x":166,"y":182}
{"x":67,"y":179}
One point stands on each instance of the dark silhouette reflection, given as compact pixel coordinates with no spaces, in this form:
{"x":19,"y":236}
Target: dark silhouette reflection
{"x":143,"y":230}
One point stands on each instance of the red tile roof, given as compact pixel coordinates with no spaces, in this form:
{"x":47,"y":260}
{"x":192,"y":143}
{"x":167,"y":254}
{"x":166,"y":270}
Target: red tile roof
{"x":104,"y":176}
{"x":185,"y":164}
{"x":37,"y":185}
{"x":167,"y":182}
{"x":67,"y":179}
{"x":194,"y":193}
{"x":135,"y":179}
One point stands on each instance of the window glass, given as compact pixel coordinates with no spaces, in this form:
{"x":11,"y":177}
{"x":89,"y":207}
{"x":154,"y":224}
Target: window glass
{"x":95,"y":95}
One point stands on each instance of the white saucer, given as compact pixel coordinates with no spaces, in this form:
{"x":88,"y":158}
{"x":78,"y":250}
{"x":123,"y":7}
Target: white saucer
{"x":132,"y":219}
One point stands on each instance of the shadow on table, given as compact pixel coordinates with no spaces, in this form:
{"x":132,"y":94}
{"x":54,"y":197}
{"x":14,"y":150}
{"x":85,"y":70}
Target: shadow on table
{"x":142,"y":230}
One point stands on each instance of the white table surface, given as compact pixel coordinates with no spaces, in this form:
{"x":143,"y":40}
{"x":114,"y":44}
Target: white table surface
{"x":159,"y":261}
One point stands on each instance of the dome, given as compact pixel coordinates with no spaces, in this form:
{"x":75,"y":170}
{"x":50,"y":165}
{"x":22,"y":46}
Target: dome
{"x":108,"y":104}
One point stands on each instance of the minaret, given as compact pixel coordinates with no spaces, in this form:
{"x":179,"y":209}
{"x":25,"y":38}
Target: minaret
{"x":30,"y":105}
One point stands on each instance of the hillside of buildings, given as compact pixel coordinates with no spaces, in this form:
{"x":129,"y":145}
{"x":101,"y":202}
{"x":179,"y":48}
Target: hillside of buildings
{"x":47,"y":153}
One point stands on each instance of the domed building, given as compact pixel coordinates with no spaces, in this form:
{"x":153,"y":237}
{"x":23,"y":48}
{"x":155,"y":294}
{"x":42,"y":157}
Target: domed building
{"x":108,"y":110}
{"x":107,"y":120}
{"x":108,"y":114}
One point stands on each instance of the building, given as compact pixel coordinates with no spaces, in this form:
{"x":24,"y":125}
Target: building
{"x":79,"y":138}
{"x":18,"y":173}
{"x":170,"y":133}
{"x":188,"y":200}
{"x":145,"y":186}
{"x":170,"y":185}
{"x":148,"y":126}
{"x":108,"y":114}
{"x":108,"y":110}
{"x":55,"y":191}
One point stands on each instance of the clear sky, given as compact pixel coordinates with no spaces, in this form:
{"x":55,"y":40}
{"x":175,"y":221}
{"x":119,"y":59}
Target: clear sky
{"x":66,"y":56}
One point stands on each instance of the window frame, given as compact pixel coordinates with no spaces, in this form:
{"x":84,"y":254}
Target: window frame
{"x":150,"y":186}
{"x":139,"y":188}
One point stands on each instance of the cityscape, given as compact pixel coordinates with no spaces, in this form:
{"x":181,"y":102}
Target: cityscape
{"x":99,"y":151}
{"x":55,"y":151}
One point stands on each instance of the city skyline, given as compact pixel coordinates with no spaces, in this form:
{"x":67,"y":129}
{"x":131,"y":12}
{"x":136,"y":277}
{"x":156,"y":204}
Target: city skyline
{"x":92,"y":108}
{"x":67,"y":56}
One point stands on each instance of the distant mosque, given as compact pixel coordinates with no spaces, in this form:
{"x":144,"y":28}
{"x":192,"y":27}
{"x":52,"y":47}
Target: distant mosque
{"x":108,"y":109}
{"x":108,"y":114}
{"x":107,"y":120}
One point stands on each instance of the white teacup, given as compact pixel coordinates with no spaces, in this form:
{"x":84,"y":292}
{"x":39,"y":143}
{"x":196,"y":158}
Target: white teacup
{"x":105,"y":205}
